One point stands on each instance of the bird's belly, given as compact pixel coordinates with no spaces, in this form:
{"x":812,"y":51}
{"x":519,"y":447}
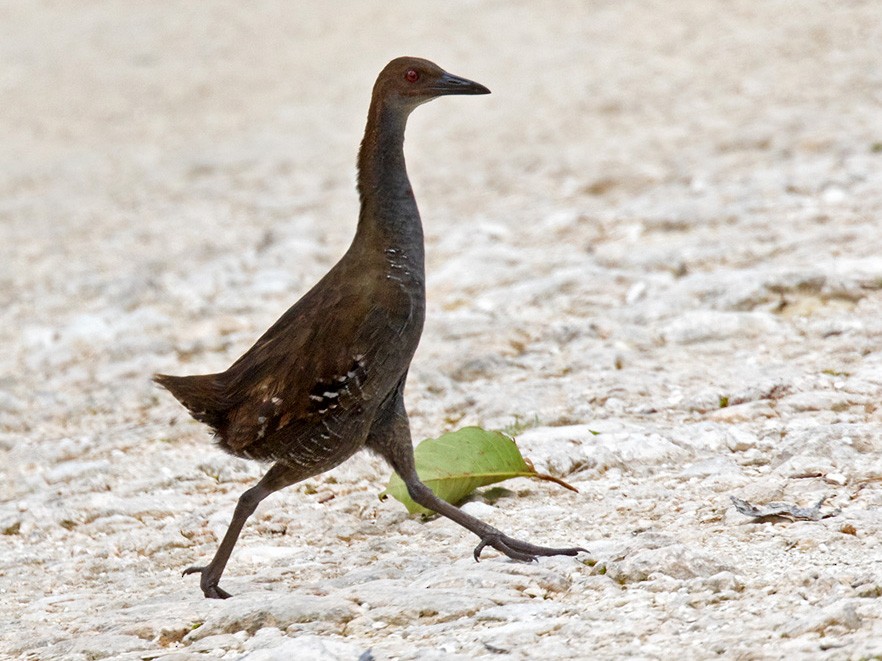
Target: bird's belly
{"x":317,"y":447}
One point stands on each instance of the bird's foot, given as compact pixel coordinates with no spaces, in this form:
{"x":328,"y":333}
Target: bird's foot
{"x":518,"y":550}
{"x":208,"y":582}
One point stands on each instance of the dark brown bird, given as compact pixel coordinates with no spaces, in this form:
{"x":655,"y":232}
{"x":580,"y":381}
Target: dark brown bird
{"x":327,"y":379}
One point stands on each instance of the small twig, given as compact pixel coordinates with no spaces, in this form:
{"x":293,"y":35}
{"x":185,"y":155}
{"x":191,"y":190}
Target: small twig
{"x":556,"y":480}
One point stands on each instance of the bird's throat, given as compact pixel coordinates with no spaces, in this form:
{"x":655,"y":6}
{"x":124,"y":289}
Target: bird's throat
{"x":389,"y":217}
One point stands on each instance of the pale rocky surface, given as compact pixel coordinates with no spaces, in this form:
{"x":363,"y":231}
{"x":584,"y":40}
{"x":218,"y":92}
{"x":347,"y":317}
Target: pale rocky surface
{"x":663,"y":226}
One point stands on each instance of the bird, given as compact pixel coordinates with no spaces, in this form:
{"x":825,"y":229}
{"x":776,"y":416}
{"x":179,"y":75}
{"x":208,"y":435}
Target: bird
{"x":327,"y":379}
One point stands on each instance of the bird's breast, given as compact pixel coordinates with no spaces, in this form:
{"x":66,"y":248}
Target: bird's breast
{"x":401,"y":300}
{"x":404,"y":272}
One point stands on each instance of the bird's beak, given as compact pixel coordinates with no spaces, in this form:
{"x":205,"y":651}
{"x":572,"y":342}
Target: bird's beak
{"x":450,"y":84}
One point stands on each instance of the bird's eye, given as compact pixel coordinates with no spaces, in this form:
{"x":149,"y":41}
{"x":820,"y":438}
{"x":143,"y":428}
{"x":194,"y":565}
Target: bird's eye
{"x":412,"y":75}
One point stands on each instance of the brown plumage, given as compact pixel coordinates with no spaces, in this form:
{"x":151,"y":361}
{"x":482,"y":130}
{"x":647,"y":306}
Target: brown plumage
{"x":327,"y":379}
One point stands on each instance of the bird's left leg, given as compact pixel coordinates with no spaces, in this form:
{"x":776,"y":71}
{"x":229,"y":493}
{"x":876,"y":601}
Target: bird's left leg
{"x":277,"y":477}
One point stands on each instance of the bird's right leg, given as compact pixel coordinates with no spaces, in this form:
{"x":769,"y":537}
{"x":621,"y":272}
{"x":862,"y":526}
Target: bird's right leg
{"x":276,"y":478}
{"x":402,"y":463}
{"x":390,"y":438}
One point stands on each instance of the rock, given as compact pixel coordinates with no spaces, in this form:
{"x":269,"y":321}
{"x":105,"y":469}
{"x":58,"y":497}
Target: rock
{"x":9,"y":403}
{"x":518,"y":578}
{"x":265,"y":637}
{"x":712,"y":326}
{"x":250,"y":612}
{"x":806,"y":466}
{"x":746,"y":412}
{"x":676,"y":561}
{"x":725,"y":581}
{"x":107,"y":645}
{"x":392,"y":602}
{"x":562,"y":451}
{"x":478,"y":509}
{"x":837,"y":479}
{"x":519,"y":635}
{"x":222,"y":642}
{"x":711,"y":436}
{"x":312,"y":648}
{"x":72,"y":470}
{"x":714,"y":466}
{"x":819,"y":401}
{"x":837,"y":619}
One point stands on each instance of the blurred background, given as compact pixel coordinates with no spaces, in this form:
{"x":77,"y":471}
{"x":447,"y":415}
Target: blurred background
{"x":188,"y":169}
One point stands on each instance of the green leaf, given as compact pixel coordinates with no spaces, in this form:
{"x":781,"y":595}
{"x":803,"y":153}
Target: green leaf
{"x":455,"y":464}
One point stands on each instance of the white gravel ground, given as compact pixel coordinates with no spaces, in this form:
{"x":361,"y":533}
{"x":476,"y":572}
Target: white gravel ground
{"x":663,"y":226}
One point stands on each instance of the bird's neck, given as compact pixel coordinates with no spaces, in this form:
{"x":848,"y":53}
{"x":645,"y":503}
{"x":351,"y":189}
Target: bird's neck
{"x":389,"y":217}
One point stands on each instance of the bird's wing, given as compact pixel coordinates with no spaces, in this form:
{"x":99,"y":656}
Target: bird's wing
{"x":310,"y":365}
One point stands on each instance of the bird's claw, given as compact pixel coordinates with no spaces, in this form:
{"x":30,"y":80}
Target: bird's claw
{"x":209,"y":585}
{"x":518,"y":550}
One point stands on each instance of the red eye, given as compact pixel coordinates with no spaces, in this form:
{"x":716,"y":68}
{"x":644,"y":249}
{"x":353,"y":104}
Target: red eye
{"x":412,"y":75}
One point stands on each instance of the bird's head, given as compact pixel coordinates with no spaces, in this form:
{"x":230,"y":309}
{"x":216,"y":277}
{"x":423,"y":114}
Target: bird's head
{"x":411,"y":81}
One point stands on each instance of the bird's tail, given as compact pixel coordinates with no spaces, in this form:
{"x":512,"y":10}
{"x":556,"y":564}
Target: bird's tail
{"x":202,"y":395}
